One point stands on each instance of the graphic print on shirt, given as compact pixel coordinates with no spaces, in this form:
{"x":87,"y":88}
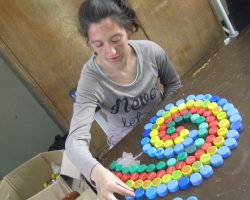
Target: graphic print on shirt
{"x":127,"y":105}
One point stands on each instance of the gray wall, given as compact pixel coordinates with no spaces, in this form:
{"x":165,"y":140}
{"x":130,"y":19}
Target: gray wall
{"x":25,"y":128}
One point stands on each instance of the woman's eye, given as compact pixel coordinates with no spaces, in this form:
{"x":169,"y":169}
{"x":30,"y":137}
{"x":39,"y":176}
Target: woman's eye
{"x":116,"y":38}
{"x":98,"y":44}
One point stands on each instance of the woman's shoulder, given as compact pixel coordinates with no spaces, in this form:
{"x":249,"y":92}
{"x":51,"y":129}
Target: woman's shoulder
{"x":146,"y":47}
{"x":89,"y":67}
{"x":89,"y":72}
{"x":144,"y":43}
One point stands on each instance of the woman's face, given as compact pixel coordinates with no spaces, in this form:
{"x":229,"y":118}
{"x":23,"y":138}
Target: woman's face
{"x":109,"y":41}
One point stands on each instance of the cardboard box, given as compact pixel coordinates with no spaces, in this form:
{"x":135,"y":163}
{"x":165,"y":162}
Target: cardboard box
{"x":26,"y":181}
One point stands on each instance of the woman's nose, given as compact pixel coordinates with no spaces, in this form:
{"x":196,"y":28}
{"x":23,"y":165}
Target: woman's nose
{"x":110,"y":50}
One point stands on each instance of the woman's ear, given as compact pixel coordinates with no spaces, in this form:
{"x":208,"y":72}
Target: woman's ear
{"x":90,"y":46}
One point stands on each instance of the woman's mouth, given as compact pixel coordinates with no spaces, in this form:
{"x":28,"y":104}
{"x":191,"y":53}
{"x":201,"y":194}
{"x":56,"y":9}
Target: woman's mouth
{"x":115,"y":58}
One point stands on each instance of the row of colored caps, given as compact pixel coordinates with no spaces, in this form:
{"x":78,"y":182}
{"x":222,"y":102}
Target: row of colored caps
{"x":185,"y":137}
{"x":184,"y":182}
{"x":151,"y":179}
{"x":199,"y":143}
{"x":234,"y":122}
{"x":215,"y":159}
{"x":162,"y":190}
{"x":205,"y":97}
{"x":224,"y":121}
{"x":182,"y":105}
{"x":194,"y":137}
{"x":221,"y":102}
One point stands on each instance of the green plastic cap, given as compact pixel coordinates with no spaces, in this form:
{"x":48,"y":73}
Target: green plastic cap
{"x":113,"y":165}
{"x":150,"y":168}
{"x":133,"y":168}
{"x":125,"y":170}
{"x":187,"y":116}
{"x":182,"y":156}
{"x":171,"y":130}
{"x":142,"y":168}
{"x":171,"y":124}
{"x":119,"y":167}
{"x":161,"y":165}
{"x":178,"y":120}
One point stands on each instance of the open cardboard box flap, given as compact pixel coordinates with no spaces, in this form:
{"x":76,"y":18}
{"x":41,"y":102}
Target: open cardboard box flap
{"x":68,"y":168}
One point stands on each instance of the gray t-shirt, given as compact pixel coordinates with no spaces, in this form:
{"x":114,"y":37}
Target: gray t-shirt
{"x":124,"y":105}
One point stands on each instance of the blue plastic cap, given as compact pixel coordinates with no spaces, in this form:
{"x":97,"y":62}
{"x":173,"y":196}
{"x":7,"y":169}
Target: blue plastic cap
{"x":162,"y":190}
{"x":216,"y":160}
{"x":169,"y":106}
{"x":196,"y":179}
{"x":148,"y":126}
{"x":146,"y":133}
{"x":159,"y":153}
{"x":190,"y":97}
{"x":153,"y":119}
{"x":177,"y":198}
{"x":194,"y":134}
{"x":192,"y":198}
{"x":222,"y":102}
{"x":151,"y":152}
{"x":173,"y":186}
{"x":188,"y":142}
{"x":224,"y":151}
{"x":146,"y":147}
{"x":231,"y":143}
{"x":214,"y":98}
{"x":206,"y":171}
{"x":145,"y":140}
{"x":227,"y":107}
{"x":178,"y":148}
{"x":233,"y":134}
{"x":184,"y":183}
{"x":160,"y":113}
{"x":232,"y":111}
{"x":180,"y":101}
{"x":151,"y":193}
{"x":139,"y":194}
{"x":207,"y":97}
{"x":235,"y":118}
{"x":199,"y":97}
{"x":169,"y":152}
{"x":238,"y":126}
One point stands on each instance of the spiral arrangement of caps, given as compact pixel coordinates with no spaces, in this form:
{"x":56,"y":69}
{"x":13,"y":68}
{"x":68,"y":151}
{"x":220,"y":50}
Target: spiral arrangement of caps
{"x":186,"y":156}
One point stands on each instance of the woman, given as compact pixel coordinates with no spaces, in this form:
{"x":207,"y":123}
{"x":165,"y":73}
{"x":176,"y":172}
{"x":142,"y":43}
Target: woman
{"x":121,"y":78}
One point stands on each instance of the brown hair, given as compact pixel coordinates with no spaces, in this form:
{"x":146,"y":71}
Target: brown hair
{"x":93,"y":11}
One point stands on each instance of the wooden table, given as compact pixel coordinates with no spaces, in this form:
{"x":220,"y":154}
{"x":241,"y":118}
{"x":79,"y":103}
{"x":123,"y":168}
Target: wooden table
{"x":226,"y":74}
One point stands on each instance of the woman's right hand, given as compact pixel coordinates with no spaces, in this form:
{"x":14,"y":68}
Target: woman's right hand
{"x":107,"y":184}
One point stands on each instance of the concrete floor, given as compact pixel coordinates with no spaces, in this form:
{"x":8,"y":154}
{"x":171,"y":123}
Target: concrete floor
{"x":25,"y":128}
